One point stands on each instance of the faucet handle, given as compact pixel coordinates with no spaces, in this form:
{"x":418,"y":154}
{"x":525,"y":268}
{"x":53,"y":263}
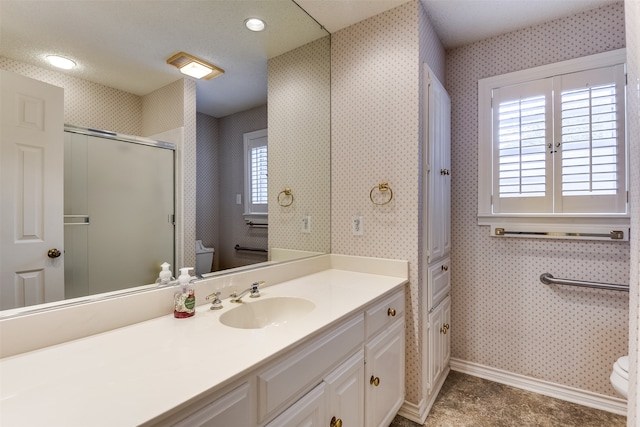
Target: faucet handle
{"x":216,"y":304}
{"x":255,"y":291}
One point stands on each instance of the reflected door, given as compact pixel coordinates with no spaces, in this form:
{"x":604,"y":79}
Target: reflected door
{"x":31,"y":184}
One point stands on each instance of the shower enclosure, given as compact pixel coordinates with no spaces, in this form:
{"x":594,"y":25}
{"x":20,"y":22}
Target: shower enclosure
{"x":119,"y":211}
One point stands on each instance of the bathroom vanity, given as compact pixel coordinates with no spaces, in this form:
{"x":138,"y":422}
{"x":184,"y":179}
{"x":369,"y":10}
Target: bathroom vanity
{"x":331,"y":353}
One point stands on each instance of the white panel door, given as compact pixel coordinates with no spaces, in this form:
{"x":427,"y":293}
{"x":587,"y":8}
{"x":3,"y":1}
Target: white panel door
{"x":384,"y":378}
{"x":345,"y":393}
{"x":31,"y":185}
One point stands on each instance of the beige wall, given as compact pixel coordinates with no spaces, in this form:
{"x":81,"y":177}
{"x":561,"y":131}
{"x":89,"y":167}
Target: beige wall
{"x":502,"y":316}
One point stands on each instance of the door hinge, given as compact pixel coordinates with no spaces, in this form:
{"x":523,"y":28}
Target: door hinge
{"x":172,"y":219}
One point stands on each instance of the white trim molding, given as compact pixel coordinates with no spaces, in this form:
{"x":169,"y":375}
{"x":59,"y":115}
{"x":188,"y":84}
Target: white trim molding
{"x":546,"y":388}
{"x":418,"y":413}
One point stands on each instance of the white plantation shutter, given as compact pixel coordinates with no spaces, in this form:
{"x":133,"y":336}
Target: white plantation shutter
{"x":259,"y":175}
{"x":558,"y":144}
{"x":256,"y":163}
{"x":521,"y":129}
{"x":590,"y":109}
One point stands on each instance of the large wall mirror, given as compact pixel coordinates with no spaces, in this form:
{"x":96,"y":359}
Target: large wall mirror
{"x":277,"y":79}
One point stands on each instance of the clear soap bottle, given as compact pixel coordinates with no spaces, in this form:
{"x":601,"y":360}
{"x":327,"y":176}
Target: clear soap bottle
{"x":184,"y":300}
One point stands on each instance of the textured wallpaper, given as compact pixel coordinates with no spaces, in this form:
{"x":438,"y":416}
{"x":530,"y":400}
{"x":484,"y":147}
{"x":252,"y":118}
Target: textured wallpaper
{"x":632,"y":17}
{"x":299,"y":93}
{"x":502,"y":316}
{"x":86,"y":103}
{"x":375,"y":69}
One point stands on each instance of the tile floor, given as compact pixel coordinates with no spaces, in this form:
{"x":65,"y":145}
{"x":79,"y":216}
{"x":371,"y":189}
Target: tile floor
{"x":467,"y":401}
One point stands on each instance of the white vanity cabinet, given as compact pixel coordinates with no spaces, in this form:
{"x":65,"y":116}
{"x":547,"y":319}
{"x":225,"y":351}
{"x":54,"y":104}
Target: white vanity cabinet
{"x":350,"y":375}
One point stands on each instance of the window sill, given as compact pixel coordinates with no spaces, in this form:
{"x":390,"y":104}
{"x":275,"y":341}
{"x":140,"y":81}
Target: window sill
{"x":569,"y":227}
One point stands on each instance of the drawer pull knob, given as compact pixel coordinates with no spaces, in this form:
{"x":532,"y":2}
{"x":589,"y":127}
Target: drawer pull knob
{"x":374,"y":381}
{"x":445,"y":268}
{"x":444,"y":329}
{"x":335,"y":422}
{"x":391,"y":312}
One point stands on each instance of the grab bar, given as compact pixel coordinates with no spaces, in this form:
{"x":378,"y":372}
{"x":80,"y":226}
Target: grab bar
{"x":243,"y":248}
{"x":252,"y":224}
{"x":548,"y":279}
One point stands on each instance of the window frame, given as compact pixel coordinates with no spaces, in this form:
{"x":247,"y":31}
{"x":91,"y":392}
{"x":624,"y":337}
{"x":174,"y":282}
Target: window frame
{"x":256,"y":213}
{"x":537,"y":221}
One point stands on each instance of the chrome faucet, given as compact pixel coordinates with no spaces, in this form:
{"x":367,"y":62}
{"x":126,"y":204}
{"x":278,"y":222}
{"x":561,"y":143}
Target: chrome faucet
{"x":253,"y":289}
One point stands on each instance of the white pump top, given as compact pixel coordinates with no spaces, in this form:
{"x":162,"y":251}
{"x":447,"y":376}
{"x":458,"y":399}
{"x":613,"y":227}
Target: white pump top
{"x":184,"y":277}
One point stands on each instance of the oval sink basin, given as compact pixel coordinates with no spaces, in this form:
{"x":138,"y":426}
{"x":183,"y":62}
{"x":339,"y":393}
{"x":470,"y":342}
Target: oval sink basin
{"x":258,"y":314}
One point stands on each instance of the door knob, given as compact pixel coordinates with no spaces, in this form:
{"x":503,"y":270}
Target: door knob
{"x":335,"y":422}
{"x":374,"y":381}
{"x":54,"y":253}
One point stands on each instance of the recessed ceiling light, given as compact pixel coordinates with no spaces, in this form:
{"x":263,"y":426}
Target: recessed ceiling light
{"x":61,"y":62}
{"x":194,"y":67}
{"x":254,"y":24}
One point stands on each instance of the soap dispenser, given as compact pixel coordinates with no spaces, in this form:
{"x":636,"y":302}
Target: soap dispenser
{"x":184,"y":300}
{"x":164,"y":278}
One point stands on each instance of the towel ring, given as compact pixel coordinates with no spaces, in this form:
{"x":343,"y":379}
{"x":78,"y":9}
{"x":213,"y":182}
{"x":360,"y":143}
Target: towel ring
{"x":382,"y":187}
{"x":282,"y":200}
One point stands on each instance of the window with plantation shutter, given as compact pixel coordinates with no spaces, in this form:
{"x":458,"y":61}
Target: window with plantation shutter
{"x":554,"y":144}
{"x":256,"y":163}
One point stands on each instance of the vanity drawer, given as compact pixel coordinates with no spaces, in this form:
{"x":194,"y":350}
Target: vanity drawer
{"x":384,"y":313}
{"x":285,"y":381}
{"x":438,"y":282}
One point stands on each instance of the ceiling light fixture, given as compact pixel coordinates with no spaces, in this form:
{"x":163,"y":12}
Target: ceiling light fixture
{"x":194,"y":67}
{"x":61,"y":62}
{"x":254,"y":24}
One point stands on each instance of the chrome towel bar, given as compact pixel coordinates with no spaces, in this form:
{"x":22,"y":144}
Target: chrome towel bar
{"x":613,"y":235}
{"x":548,"y":279}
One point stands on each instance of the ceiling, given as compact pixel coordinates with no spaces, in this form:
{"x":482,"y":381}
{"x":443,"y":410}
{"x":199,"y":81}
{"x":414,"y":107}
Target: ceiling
{"x":457,"y":22}
{"x":124,"y":44}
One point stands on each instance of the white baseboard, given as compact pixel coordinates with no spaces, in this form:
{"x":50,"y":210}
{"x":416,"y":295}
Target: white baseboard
{"x":418,"y":413}
{"x":559,"y":391}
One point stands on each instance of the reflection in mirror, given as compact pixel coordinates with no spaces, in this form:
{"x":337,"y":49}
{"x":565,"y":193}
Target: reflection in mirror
{"x":123,"y":85}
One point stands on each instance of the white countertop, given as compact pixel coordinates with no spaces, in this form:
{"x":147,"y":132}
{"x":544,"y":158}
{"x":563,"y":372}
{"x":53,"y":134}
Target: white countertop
{"x":133,"y":374}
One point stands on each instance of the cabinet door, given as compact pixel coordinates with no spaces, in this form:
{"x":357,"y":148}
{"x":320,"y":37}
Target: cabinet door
{"x":438,"y":282}
{"x":384,"y":379}
{"x":437,"y":143}
{"x":436,"y":332}
{"x":439,"y":340}
{"x":232,"y":409}
{"x":309,"y":411}
{"x":345,"y":392}
{"x":446,"y":338}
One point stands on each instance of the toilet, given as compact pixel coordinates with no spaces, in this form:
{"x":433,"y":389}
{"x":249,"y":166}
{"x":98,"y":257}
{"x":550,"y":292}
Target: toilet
{"x":620,"y":376}
{"x":204,"y":258}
